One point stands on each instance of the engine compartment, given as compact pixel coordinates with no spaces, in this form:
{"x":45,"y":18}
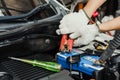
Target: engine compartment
{"x":32,"y":36}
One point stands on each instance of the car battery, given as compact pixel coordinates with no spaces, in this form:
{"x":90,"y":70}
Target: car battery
{"x":83,"y":63}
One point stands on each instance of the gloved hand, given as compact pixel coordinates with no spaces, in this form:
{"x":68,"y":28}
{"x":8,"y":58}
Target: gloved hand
{"x":72,"y":22}
{"x":76,"y":24}
{"x":87,"y":34}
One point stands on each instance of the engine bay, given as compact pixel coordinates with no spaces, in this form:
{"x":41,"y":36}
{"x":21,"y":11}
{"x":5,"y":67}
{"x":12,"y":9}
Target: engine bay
{"x":32,"y":35}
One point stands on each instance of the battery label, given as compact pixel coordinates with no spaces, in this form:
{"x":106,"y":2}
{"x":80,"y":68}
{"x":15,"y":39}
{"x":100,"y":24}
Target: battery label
{"x":89,"y":58}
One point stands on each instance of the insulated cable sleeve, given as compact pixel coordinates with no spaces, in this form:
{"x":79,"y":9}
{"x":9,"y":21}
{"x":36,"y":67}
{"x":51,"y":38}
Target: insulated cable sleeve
{"x":34,"y":11}
{"x":116,"y":40}
{"x":113,"y":44}
{"x":106,"y":54}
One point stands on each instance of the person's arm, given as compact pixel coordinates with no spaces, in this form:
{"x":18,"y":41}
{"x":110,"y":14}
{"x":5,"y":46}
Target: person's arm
{"x":110,"y":25}
{"x":75,"y":23}
{"x":92,"y":6}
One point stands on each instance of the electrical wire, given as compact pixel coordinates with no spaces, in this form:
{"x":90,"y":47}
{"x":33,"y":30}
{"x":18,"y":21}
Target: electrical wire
{"x":23,"y":16}
{"x":5,"y":7}
{"x":15,"y":10}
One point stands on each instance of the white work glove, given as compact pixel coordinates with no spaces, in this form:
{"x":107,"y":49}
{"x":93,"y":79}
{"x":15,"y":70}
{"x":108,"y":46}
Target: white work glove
{"x":76,"y":25}
{"x":72,"y":22}
{"x":107,"y":18}
{"x":87,"y":34}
